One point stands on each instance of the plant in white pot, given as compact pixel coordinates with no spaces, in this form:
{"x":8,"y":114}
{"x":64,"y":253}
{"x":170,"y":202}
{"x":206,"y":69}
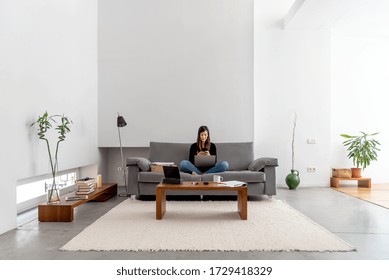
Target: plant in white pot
{"x":45,"y":123}
{"x":362,"y":149}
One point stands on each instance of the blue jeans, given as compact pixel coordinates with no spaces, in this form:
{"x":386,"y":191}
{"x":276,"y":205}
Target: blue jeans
{"x":188,"y":167}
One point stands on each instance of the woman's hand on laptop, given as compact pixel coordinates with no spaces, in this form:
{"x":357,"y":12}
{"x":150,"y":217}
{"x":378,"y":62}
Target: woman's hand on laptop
{"x":204,"y":153}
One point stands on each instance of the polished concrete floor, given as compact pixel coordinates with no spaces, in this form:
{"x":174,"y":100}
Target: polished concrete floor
{"x":360,"y":223}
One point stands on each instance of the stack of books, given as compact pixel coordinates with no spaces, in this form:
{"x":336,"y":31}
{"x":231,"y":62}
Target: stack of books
{"x":85,"y":186}
{"x":76,"y":197}
{"x":158,"y":166}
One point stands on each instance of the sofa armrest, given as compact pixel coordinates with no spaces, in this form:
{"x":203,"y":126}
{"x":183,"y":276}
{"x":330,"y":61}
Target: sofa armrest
{"x":267,"y":165}
{"x":135,"y":165}
{"x":261,"y":163}
{"x":142,"y":163}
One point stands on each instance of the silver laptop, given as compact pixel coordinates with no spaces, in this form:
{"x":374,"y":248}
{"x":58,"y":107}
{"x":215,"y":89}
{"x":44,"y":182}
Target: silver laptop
{"x":205,"y":161}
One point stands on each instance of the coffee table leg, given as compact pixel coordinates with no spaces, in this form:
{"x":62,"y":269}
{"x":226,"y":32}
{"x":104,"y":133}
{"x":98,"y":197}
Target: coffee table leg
{"x":242,"y":204}
{"x":160,"y":202}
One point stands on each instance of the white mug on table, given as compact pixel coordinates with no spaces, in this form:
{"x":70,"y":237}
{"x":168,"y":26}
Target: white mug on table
{"x":217,"y":178}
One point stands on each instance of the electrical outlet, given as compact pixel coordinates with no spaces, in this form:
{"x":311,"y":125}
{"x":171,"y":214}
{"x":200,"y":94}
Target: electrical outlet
{"x":311,"y":141}
{"x":311,"y":169}
{"x":120,"y":169}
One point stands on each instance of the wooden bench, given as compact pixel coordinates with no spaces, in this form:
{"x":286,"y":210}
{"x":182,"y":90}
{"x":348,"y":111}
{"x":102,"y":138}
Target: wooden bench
{"x":362,"y":182}
{"x":64,"y":210}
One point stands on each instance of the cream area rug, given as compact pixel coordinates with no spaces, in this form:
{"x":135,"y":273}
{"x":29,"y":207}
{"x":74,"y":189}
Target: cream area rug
{"x":272,"y":225}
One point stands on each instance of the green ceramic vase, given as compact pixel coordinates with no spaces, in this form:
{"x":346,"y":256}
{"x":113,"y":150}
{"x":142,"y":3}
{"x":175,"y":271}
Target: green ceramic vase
{"x":293,"y":179}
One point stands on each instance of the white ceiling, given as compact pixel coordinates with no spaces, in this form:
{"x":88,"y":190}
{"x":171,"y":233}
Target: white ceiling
{"x":339,"y":14}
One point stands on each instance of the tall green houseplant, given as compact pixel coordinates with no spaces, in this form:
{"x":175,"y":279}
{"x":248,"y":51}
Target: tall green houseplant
{"x":362,"y":149}
{"x":45,"y":124}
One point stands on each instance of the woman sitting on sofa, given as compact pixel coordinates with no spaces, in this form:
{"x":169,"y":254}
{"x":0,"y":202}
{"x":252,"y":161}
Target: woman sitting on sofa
{"x":203,"y":147}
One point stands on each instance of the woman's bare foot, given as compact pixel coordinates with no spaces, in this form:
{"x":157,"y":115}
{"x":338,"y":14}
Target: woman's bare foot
{"x":194,"y":173}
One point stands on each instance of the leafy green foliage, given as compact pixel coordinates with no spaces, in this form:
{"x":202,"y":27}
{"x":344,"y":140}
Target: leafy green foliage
{"x":45,"y":123}
{"x":362,"y":149}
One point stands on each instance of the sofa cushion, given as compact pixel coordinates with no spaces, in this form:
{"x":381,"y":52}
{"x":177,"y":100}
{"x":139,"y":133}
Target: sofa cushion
{"x":156,"y":177}
{"x":169,"y":152}
{"x":150,"y":177}
{"x":143,"y":163}
{"x":244,"y":176}
{"x":260,"y":163}
{"x":238,"y":155}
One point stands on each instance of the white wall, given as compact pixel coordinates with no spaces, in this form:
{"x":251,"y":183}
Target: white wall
{"x":114,"y":160}
{"x":335,"y":79}
{"x":360,"y":82}
{"x":292,"y":72}
{"x":48,"y":62}
{"x":7,"y":155}
{"x":170,"y":66}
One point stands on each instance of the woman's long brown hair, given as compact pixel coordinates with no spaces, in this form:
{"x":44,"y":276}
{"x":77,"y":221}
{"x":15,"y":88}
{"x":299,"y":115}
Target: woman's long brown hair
{"x":207,"y":142}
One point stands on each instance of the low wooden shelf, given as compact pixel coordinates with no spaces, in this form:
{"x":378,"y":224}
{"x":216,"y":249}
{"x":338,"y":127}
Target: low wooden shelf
{"x":64,"y":210}
{"x":362,"y":182}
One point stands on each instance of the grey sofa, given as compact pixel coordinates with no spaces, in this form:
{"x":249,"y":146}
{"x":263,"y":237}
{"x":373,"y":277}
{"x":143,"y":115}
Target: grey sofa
{"x":260,"y":174}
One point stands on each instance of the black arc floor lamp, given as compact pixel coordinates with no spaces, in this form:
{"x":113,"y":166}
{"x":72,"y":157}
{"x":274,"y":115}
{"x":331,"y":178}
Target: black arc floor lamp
{"x":121,"y":122}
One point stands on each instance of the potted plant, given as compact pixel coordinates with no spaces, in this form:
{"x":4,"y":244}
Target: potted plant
{"x":362,"y":149}
{"x":45,"y":123}
{"x":293,"y":179}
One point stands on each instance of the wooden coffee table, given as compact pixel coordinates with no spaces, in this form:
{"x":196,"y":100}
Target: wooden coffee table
{"x":186,"y":186}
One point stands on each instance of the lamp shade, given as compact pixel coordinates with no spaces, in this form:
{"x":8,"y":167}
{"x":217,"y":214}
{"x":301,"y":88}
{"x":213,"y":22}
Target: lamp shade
{"x":121,"y":121}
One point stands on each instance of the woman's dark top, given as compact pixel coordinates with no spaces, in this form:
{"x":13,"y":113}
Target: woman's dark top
{"x":193,"y":151}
